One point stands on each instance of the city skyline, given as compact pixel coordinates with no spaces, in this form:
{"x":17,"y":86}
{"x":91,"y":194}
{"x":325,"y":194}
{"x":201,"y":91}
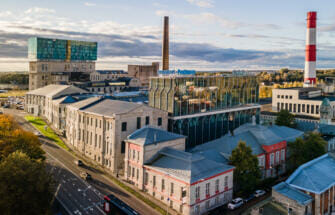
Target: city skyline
{"x":204,"y":34}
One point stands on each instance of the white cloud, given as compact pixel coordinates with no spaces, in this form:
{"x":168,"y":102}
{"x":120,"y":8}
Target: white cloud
{"x":39,"y":10}
{"x":6,"y":14}
{"x":89,"y":4}
{"x":210,"y":18}
{"x":201,"y":3}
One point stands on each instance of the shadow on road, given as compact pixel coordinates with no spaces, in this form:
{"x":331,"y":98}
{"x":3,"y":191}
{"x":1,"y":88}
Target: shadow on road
{"x":103,"y":186}
{"x":47,"y":143}
{"x":92,"y":169}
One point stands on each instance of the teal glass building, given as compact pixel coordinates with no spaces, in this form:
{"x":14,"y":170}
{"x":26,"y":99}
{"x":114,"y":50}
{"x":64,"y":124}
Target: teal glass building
{"x":63,"y":50}
{"x":204,"y":108}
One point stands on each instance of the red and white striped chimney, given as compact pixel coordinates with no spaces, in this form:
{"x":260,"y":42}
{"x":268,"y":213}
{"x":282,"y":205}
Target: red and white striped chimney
{"x":310,"y":61}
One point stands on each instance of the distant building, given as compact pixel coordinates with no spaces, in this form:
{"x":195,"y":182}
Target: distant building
{"x":268,"y":143}
{"x":97,"y":128}
{"x":52,"y":61}
{"x":189,"y":183}
{"x":301,"y":101}
{"x":107,"y":75}
{"x":310,"y":189}
{"x":204,"y":108}
{"x":143,"y":72}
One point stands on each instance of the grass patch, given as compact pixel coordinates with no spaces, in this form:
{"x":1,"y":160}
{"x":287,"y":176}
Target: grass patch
{"x":13,"y":93}
{"x":139,"y":195}
{"x":39,"y":124}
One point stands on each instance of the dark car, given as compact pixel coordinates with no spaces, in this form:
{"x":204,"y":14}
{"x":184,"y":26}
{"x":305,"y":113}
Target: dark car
{"x":85,"y":175}
{"x":79,"y":162}
{"x":249,"y":198}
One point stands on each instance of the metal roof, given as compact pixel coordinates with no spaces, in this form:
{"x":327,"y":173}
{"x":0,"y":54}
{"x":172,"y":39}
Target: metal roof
{"x":292,"y":193}
{"x":315,"y":176}
{"x":56,"y":89}
{"x":151,"y":135}
{"x":186,"y":166}
{"x":85,"y":102}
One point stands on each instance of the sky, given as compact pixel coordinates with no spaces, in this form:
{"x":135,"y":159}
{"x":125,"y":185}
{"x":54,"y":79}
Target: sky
{"x":204,"y":34}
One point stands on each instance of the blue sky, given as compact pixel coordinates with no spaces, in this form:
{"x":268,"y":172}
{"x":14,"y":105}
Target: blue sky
{"x":204,"y":34}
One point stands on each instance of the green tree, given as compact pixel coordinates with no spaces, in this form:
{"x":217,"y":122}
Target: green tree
{"x":285,"y":118}
{"x":302,"y":150}
{"x":25,"y":186}
{"x":247,"y":174}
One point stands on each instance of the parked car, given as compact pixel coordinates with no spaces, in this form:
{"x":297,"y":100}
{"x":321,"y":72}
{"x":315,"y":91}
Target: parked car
{"x":37,"y":133}
{"x":249,"y":198}
{"x":85,"y":176}
{"x":6,"y":106}
{"x":79,"y":163}
{"x":235,"y":203}
{"x":259,"y":193}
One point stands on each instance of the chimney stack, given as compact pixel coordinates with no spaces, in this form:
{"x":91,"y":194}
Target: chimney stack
{"x":310,"y":58}
{"x":165,"y":49}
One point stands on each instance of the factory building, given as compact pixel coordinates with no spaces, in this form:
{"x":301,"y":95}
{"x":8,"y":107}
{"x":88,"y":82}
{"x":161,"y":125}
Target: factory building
{"x":143,"y":72}
{"x":55,"y":61}
{"x":204,"y":108}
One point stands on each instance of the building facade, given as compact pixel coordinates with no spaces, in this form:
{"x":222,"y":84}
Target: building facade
{"x":53,"y":60}
{"x":156,"y":163}
{"x":204,"y":108}
{"x":107,"y":75}
{"x":98,"y":128}
{"x":143,"y":72}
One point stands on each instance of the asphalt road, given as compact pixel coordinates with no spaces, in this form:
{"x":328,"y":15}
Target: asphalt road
{"x":75,"y":194}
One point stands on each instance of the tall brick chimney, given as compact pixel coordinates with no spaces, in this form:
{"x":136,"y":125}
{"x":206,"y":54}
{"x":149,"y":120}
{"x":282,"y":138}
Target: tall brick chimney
{"x":165,"y":48}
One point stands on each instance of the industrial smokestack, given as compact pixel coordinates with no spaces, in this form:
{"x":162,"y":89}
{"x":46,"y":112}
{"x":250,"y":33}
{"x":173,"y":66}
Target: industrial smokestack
{"x":165,"y":49}
{"x":310,"y":61}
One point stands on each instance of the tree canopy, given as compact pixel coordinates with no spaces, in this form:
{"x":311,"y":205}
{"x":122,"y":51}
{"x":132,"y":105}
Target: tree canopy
{"x":305,"y":149}
{"x":285,"y":118}
{"x":247,"y":174}
{"x":25,"y":185}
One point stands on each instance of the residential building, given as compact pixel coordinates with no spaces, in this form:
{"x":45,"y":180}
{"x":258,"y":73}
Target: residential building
{"x":300,"y":101}
{"x":204,"y":108}
{"x":98,"y":128}
{"x":107,"y":75}
{"x":310,"y":189}
{"x":189,"y":183}
{"x":143,"y":72}
{"x":40,"y":101}
{"x":269,"y":143}
{"x":51,"y":61}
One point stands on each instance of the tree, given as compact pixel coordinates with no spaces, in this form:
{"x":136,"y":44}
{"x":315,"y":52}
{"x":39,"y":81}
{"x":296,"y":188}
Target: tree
{"x":247,"y":174}
{"x":285,"y":118}
{"x":302,"y":150}
{"x":25,"y":186}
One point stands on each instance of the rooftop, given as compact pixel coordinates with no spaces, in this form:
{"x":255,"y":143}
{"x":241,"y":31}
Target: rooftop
{"x":301,"y":89}
{"x":151,"y":135}
{"x":56,"y":89}
{"x":321,"y":98}
{"x":315,"y":176}
{"x":186,"y":166}
{"x":111,"y":71}
{"x":85,"y":102}
{"x":292,"y":193}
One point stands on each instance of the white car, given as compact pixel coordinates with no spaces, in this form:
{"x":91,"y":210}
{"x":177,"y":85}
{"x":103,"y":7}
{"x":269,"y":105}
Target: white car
{"x":37,"y":133}
{"x":259,"y":193}
{"x":236,"y":203}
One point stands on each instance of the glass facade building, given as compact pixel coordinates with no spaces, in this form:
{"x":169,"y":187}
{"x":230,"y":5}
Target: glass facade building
{"x":63,"y":50}
{"x":204,"y":108}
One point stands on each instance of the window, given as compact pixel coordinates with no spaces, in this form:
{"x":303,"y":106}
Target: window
{"x":133,"y":173}
{"x":183,"y":192}
{"x":216,"y":200}
{"x":295,"y":108}
{"x":159,"y":121}
{"x":154,"y":181}
{"x":317,"y":109}
{"x":277,"y":157}
{"x":124,"y":126}
{"x":217,"y":181}
{"x":137,"y":173}
{"x":307,"y":108}
{"x":271,"y":159}
{"x":282,"y":96}
{"x":282,"y":153}
{"x":278,"y":106}
{"x":197,"y":193}
{"x":226,"y":182}
{"x":163,"y":184}
{"x":123,"y":147}
{"x":138,"y":155}
{"x":138,"y":122}
{"x":278,"y":96}
{"x":282,"y":106}
{"x":286,"y":97}
{"x":290,"y":97}
{"x":147,"y":120}
{"x":207,"y":204}
{"x":207,"y":189}
{"x":303,"y":108}
{"x":146,"y":176}
{"x":129,"y":153}
{"x":299,"y":106}
{"x":96,"y":122}
{"x":312,"y":109}
{"x":290,"y":107}
{"x":134,"y":154}
{"x":286,"y":106}
{"x":171,"y":188}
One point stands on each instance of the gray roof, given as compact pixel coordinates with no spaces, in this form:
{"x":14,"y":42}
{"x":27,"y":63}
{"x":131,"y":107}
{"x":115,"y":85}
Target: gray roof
{"x":150,"y":135}
{"x":315,"y":176}
{"x":255,"y":136}
{"x":85,"y":102}
{"x":56,"y":89}
{"x":186,"y":166}
{"x":292,"y":193}
{"x":109,"y":107}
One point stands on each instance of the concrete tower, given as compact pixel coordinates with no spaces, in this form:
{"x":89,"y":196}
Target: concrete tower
{"x":165,"y":49}
{"x":310,"y":61}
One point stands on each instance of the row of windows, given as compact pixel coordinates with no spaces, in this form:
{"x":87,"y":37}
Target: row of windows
{"x":138,"y":123}
{"x":299,"y":108}
{"x":133,"y":154}
{"x":208,"y":185}
{"x":282,"y":96}
{"x":279,"y":155}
